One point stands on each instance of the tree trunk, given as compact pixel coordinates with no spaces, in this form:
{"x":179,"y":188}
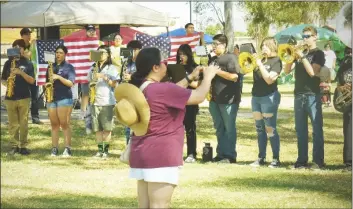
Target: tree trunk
{"x":229,"y":25}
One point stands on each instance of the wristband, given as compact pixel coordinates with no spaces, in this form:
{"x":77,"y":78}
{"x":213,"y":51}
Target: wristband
{"x":188,"y":79}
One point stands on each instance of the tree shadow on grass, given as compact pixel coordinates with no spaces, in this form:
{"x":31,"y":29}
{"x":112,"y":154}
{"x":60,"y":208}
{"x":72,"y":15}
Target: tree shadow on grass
{"x":67,"y":200}
{"x":323,"y":183}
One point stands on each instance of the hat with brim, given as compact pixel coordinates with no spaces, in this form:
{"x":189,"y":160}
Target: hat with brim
{"x":132,"y":109}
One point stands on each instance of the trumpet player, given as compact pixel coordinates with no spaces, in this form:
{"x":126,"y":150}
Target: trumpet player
{"x":136,"y":46}
{"x":307,"y":99}
{"x":265,"y":101}
{"x":105,"y":76}
{"x":18,"y":76}
{"x":59,"y":110}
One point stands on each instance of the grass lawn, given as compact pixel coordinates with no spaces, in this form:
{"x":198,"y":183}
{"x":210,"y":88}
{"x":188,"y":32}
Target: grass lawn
{"x":39,"y":181}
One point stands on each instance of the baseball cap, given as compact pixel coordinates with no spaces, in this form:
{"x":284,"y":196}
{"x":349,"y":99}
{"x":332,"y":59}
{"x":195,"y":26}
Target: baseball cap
{"x":25,"y":31}
{"x":90,"y":27}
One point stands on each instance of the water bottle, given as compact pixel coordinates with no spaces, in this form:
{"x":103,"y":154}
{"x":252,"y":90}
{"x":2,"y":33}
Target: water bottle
{"x":207,"y":153}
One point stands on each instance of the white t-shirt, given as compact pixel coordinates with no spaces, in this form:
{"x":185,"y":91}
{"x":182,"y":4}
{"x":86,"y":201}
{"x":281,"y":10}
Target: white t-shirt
{"x":329,"y":57}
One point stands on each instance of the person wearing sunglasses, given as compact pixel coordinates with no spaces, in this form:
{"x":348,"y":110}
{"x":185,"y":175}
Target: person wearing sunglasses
{"x":307,"y":100}
{"x":104,"y":101}
{"x":225,"y":99}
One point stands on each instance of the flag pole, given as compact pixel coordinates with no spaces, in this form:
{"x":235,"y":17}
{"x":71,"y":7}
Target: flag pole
{"x":190,"y":11}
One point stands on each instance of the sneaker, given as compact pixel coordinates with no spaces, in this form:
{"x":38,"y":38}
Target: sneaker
{"x":54,"y":152}
{"x":98,"y":155}
{"x":24,"y":151}
{"x":67,"y":152}
{"x":190,"y":159}
{"x":258,"y":162}
{"x":37,"y":121}
{"x":300,"y":165}
{"x":316,"y":166}
{"x":105,"y":155}
{"x":274,"y":164}
{"x":225,"y":161}
{"x":13,"y":151}
{"x":217,"y":159}
{"x":88,"y":131}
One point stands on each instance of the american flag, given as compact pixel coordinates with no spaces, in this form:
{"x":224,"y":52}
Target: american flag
{"x":168,"y":45}
{"x":48,"y":45}
{"x":78,"y":55}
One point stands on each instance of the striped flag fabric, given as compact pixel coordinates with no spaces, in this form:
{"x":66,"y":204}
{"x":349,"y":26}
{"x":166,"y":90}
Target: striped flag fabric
{"x":78,"y":55}
{"x":168,"y":45}
{"x":41,"y":46}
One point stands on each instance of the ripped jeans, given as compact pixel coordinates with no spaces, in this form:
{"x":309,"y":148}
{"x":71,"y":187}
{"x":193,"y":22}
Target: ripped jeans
{"x":265,"y":114}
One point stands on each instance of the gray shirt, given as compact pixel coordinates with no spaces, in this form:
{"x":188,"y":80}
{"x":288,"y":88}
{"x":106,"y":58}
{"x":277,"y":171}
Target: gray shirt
{"x":104,"y":92}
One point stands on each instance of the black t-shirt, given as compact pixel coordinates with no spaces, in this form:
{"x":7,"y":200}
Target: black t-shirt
{"x":225,"y":91}
{"x":21,"y":88}
{"x":260,"y":87}
{"x":67,"y":71}
{"x":303,"y":82}
{"x":344,"y":74}
{"x":188,"y":70}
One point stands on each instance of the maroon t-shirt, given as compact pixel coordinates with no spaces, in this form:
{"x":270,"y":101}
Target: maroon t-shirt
{"x":162,"y":146}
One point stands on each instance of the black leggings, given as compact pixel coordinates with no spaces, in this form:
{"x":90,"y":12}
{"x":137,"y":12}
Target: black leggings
{"x":190,"y":128}
{"x":347,"y":132}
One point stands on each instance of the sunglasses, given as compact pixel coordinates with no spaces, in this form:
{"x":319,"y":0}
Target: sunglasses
{"x":306,"y":36}
{"x":165,"y":62}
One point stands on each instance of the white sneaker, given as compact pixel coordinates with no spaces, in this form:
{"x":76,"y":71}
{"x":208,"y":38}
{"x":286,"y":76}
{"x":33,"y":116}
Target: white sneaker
{"x":190,"y":159}
{"x":88,"y":131}
{"x":105,"y":155}
{"x":98,"y":155}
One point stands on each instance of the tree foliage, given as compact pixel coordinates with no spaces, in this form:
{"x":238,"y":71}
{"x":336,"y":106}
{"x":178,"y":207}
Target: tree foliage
{"x":213,"y":29}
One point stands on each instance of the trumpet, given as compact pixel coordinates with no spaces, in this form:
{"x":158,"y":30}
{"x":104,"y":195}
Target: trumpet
{"x":11,"y":80}
{"x":93,"y":84}
{"x":247,"y":61}
{"x":287,"y":52}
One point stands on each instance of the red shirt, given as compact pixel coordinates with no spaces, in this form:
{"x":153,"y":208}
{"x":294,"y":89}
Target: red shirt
{"x":162,"y":146}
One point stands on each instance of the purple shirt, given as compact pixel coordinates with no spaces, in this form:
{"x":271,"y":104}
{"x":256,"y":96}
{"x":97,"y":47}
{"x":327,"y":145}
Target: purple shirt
{"x":163,"y":144}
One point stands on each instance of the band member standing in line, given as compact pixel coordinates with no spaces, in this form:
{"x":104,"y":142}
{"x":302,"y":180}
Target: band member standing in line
{"x":307,"y":100}
{"x":344,"y":79}
{"x":17,"y":105}
{"x":265,"y":101}
{"x":136,"y":46}
{"x":155,"y":157}
{"x":184,"y":57}
{"x":102,"y":108}
{"x":26,"y":36}
{"x":226,"y":96}
{"x":60,"y":108}
{"x":115,"y":49}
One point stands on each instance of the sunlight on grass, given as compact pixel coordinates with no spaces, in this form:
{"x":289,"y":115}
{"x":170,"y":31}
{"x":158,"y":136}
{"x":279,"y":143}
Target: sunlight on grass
{"x":40,"y":181}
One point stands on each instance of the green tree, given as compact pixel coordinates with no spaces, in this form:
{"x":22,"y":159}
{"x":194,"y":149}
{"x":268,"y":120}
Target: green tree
{"x":213,"y":29}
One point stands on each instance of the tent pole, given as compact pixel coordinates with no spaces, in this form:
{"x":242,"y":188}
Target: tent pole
{"x":167,"y":31}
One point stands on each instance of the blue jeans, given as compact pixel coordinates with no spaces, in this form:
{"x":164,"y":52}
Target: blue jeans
{"x":60,"y":103}
{"x":265,"y":123}
{"x":224,"y":120}
{"x":309,"y":105}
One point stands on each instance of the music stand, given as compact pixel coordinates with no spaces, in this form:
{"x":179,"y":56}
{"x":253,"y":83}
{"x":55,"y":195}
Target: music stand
{"x":176,"y":72}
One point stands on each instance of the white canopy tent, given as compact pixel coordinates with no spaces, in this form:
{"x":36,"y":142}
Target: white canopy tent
{"x":73,"y":14}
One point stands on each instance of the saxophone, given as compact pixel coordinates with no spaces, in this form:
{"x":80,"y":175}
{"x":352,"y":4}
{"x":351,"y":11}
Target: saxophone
{"x":11,"y":80}
{"x":93,"y":84}
{"x":49,"y":86}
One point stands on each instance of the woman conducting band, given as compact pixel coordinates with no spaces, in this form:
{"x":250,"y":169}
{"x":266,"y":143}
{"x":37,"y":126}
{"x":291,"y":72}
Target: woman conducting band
{"x":156,"y":156}
{"x":104,"y":101}
{"x":265,"y":101}
{"x":60,"y":108}
{"x":185,"y":58}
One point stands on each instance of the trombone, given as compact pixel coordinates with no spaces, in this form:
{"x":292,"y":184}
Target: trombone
{"x":287,"y":52}
{"x":247,"y":61}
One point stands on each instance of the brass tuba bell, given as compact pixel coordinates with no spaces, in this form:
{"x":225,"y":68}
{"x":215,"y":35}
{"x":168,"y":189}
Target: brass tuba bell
{"x":247,"y":61}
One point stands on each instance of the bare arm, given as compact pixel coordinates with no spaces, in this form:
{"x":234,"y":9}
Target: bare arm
{"x":194,"y":84}
{"x":66,"y":82}
{"x":28,"y":79}
{"x":288,"y":68}
{"x":269,"y":77}
{"x":198,"y":95}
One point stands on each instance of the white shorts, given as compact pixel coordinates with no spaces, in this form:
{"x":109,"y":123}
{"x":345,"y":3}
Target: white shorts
{"x":160,"y":175}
